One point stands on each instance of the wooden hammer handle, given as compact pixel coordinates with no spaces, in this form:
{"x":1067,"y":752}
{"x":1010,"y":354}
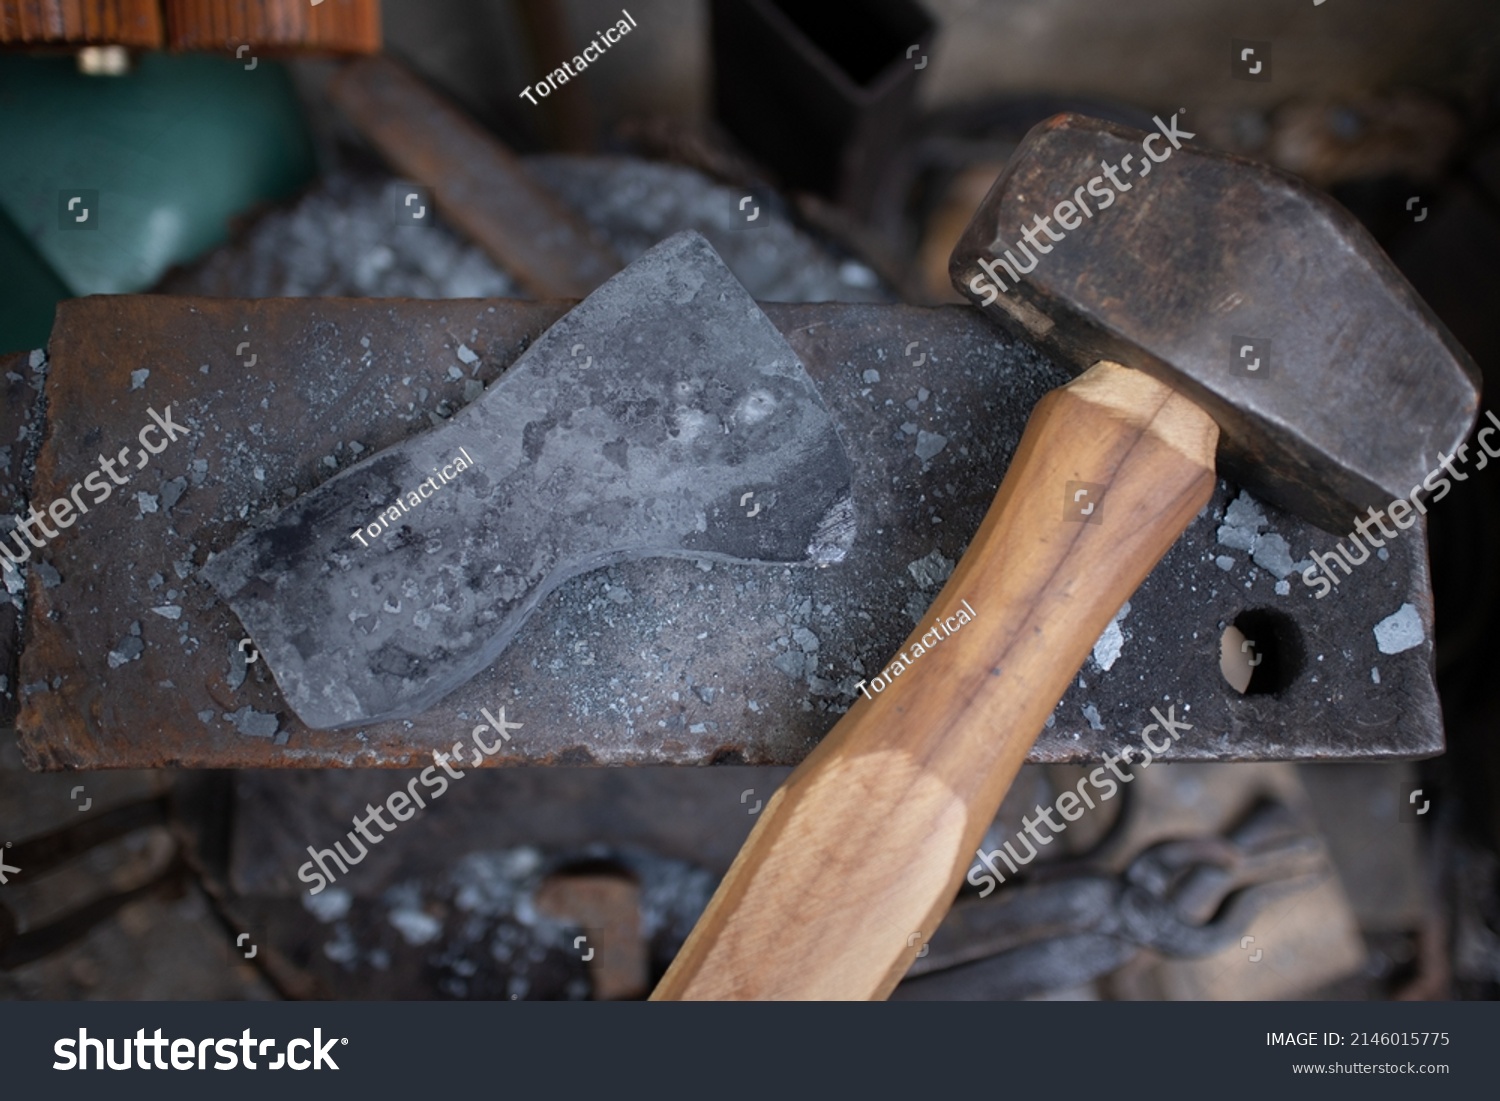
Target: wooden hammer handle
{"x":858,"y":856}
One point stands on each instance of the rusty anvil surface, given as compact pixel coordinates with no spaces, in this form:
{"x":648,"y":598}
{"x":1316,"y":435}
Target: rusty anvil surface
{"x":652,"y":662}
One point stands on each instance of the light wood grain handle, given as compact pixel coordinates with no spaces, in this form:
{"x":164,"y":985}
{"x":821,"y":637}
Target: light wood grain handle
{"x":858,"y":856}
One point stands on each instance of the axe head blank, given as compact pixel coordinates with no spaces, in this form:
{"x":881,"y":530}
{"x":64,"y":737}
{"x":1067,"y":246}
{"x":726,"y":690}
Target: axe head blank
{"x":663,"y":416}
{"x":1334,"y":386}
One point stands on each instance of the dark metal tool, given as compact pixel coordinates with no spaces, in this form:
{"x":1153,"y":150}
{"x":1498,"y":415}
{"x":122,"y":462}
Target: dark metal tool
{"x":1185,"y":899}
{"x":664,"y":416}
{"x":1334,"y":387}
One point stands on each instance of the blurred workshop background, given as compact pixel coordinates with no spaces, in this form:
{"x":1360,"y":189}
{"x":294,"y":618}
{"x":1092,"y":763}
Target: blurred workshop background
{"x":225,"y":150}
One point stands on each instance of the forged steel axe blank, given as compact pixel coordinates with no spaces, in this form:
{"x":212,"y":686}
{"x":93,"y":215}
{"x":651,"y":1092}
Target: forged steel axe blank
{"x":663,"y":416}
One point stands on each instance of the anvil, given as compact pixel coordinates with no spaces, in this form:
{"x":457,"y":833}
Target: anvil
{"x":667,"y":662}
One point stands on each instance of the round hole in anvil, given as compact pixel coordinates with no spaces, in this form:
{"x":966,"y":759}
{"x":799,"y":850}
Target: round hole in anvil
{"x":1261,"y":652}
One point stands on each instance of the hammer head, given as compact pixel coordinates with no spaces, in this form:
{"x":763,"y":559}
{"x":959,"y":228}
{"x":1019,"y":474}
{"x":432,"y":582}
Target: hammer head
{"x":1334,"y":386}
{"x":663,"y":416}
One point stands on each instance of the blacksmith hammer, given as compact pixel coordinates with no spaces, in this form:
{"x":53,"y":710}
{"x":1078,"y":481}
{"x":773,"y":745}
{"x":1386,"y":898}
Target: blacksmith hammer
{"x":1357,"y":393}
{"x":663,"y":416}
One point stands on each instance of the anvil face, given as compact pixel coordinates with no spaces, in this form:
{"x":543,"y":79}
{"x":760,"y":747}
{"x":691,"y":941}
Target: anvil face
{"x":718,"y":638}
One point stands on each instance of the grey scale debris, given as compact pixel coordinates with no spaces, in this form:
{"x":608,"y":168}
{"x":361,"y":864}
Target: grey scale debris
{"x":929,"y":444}
{"x":252,"y":723}
{"x":931,"y":571}
{"x":1400,"y":631}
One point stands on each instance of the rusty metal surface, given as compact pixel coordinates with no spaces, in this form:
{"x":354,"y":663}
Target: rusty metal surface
{"x":21,"y":377}
{"x":651,"y":662}
{"x":480,"y":186}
